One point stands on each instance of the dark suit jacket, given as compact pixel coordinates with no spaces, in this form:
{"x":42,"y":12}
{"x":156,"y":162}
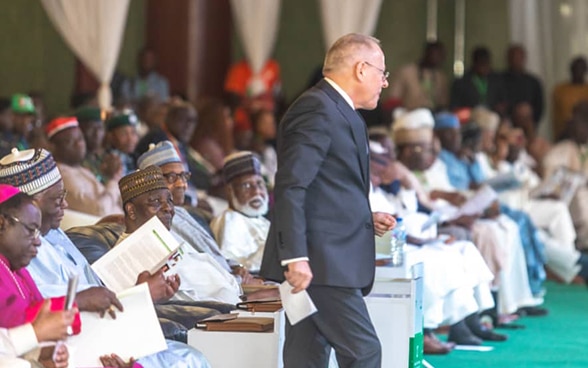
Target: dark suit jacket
{"x":465,"y":94}
{"x":321,"y":208}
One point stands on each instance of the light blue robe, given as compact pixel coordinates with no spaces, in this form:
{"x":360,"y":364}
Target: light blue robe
{"x":58,"y":257}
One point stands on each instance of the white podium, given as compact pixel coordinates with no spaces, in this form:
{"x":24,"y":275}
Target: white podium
{"x":242,"y":349}
{"x":395,"y":305}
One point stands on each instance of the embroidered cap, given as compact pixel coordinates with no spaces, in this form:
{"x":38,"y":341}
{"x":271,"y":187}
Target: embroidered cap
{"x":31,"y":171}
{"x":140,"y":182}
{"x":7,"y":192}
{"x":240,"y":163}
{"x":413,"y":127}
{"x":485,"y":118}
{"x":159,"y":154}
{"x":60,"y":124}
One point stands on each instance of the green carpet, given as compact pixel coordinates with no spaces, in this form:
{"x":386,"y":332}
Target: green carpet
{"x":559,"y":339}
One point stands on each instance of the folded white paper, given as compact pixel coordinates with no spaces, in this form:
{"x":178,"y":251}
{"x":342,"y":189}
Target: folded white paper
{"x":297,"y":306}
{"x":134,"y":333}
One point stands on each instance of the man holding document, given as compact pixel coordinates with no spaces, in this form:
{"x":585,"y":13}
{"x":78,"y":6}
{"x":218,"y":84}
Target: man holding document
{"x":322,"y":234}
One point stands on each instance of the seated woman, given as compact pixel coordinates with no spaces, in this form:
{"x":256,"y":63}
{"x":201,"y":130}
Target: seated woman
{"x":20,"y":299}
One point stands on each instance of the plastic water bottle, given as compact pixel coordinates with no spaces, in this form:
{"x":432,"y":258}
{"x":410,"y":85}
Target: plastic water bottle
{"x":397,"y":242}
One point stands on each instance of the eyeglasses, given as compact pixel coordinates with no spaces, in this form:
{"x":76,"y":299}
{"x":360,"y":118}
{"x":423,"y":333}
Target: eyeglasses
{"x":247,"y":186}
{"x":172,"y":177}
{"x":385,"y":74}
{"x":33,"y":231}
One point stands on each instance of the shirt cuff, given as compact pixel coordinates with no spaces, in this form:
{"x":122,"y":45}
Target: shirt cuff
{"x":286,"y":262}
{"x":23,"y":339}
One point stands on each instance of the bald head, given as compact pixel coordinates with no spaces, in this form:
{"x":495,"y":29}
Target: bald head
{"x":348,"y":50}
{"x":357,"y":65}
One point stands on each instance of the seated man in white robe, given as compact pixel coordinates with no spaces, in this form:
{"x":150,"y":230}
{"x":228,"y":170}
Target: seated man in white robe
{"x":550,"y":215}
{"x":145,"y":194}
{"x":497,"y":239}
{"x":572,"y":153}
{"x":241,"y":230}
{"x":456,"y":278}
{"x":208,"y":274}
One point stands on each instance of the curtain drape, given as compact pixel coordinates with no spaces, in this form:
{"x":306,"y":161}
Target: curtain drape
{"x":340,"y":17}
{"x":553,"y":32}
{"x":94,"y":31}
{"x":257,"y":26}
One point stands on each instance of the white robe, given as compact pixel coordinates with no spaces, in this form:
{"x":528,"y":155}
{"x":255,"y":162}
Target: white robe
{"x":568,"y":154}
{"x":241,"y":238}
{"x":203,"y":278}
{"x":456,"y":279}
{"x":514,"y":291}
{"x":551,"y":216}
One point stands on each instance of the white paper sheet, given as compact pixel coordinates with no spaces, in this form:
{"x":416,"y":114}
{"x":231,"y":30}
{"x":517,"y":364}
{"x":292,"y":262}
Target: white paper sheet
{"x":297,"y":306}
{"x":480,"y":348}
{"x":146,"y":249}
{"x":134,"y":333}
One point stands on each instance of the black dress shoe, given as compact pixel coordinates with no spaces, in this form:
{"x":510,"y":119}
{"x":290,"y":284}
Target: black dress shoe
{"x":460,"y":334}
{"x":489,"y":335}
{"x":532,"y":311}
{"x":473,"y":323}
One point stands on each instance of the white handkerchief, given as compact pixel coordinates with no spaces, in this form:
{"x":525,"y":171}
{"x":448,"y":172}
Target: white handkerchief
{"x":297,"y":306}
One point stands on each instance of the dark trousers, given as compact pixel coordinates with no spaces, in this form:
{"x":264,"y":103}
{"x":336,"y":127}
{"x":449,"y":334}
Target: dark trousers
{"x":342,"y":322}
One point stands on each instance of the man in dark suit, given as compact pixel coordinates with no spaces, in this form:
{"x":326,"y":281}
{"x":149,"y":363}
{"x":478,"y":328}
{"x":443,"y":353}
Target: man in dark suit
{"x":322,"y":234}
{"x":480,"y":85}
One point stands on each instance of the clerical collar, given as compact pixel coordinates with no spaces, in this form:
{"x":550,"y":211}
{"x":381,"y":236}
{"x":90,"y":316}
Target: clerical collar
{"x":341,"y":92}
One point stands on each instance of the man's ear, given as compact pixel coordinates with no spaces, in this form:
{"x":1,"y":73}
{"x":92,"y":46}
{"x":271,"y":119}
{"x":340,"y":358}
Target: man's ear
{"x":359,"y":70}
{"x":130,"y":210}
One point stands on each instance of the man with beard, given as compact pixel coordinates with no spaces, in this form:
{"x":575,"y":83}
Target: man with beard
{"x":241,"y":230}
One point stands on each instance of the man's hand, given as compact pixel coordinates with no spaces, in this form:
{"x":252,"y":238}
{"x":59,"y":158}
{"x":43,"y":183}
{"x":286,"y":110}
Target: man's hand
{"x":383,"y":222}
{"x":98,"y":299}
{"x":54,"y":356}
{"x":52,"y":326}
{"x":114,"y":361}
{"x":298,"y":275}
{"x":159,"y":287}
{"x":466,"y":221}
{"x":455,"y":198}
{"x":174,"y":282}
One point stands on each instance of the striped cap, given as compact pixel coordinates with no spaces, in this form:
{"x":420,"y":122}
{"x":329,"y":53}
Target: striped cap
{"x":140,"y":182}
{"x":158,"y":154}
{"x":240,"y":163}
{"x":59,"y":124}
{"x":32,"y":171}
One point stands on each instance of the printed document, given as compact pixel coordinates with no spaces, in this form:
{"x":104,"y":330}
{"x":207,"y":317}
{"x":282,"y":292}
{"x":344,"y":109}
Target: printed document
{"x":147,"y":249}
